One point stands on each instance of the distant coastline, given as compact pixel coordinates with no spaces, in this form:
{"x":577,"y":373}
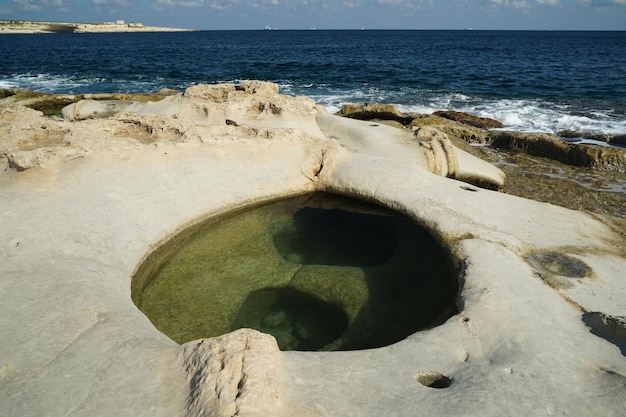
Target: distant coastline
{"x":120,"y":26}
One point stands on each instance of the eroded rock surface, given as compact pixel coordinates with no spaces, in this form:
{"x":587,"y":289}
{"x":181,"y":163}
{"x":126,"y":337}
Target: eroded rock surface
{"x":547,"y":145}
{"x":479,"y":130}
{"x":85,"y":201}
{"x":238,"y":374}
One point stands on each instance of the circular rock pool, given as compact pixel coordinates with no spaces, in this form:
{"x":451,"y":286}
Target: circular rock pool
{"x":318,"y":272}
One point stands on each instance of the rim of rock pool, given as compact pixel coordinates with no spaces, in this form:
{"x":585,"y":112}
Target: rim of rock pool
{"x":318,"y":271}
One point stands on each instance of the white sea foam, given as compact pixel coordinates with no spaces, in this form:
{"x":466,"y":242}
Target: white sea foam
{"x":47,"y":82}
{"x":515,"y":114}
{"x":62,"y":84}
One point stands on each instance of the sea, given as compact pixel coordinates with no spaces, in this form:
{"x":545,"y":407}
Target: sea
{"x":542,"y":81}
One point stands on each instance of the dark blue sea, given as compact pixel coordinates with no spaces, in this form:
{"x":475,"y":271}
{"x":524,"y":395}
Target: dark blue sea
{"x":531,"y":81}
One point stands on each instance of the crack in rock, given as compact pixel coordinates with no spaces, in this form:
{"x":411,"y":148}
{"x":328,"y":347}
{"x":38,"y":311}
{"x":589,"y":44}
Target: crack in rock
{"x":236,"y":374}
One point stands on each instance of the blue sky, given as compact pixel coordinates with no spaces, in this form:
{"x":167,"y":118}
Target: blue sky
{"x":332,"y":14}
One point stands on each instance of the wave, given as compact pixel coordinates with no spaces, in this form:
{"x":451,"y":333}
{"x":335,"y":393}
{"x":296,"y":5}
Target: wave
{"x":80,"y":84}
{"x":520,"y":114}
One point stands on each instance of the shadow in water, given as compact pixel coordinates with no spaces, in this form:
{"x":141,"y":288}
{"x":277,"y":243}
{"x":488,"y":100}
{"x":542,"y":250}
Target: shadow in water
{"x":411,"y":281}
{"x":337,"y":237}
{"x":318,"y":272}
{"x":610,"y":328}
{"x":297,"y":320}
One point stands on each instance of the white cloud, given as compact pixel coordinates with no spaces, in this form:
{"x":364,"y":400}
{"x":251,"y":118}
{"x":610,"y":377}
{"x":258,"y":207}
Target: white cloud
{"x":110,"y":2}
{"x":512,"y":4}
{"x":38,"y":5}
{"x":219,"y":5}
{"x":405,"y":3}
{"x":602,"y":3}
{"x":269,"y":3}
{"x":55,"y":3}
{"x":159,"y":4}
{"x":28,"y":5}
{"x":553,"y":3}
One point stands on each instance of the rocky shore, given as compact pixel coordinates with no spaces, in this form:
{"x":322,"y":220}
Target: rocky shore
{"x":538,"y":166}
{"x":20,"y":26}
{"x":93,"y":185}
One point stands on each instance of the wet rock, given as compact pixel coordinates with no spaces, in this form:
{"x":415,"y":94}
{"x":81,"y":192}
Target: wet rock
{"x":368,"y":111}
{"x":49,"y":104}
{"x":556,"y":263}
{"x":613,"y":139}
{"x":452,"y":128}
{"x":52,"y":104}
{"x":549,"y":146}
{"x":557,"y":269}
{"x":469,"y":119}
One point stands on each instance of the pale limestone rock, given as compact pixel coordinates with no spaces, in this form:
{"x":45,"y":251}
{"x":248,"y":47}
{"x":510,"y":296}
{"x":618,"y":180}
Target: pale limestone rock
{"x":441,"y":155}
{"x":238,"y":374}
{"x":74,"y":230}
{"x":227,"y":92}
{"x":91,"y":109}
{"x":22,"y":160}
{"x":428,"y":148}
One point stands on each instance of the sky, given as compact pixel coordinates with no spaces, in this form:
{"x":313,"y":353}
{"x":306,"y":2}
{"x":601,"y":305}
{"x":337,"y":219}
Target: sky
{"x":331,"y":14}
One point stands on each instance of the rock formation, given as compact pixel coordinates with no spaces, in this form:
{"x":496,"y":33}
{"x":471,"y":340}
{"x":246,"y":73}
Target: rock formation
{"x":480,"y":130}
{"x":86,"y":198}
{"x":547,"y":145}
{"x":24,"y":26}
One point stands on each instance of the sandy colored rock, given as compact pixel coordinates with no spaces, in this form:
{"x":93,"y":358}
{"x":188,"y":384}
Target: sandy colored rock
{"x":238,"y":374}
{"x":374,"y":111}
{"x":74,"y":231}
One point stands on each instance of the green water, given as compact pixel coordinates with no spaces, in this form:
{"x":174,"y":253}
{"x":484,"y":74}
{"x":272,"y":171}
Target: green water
{"x":319,"y":272}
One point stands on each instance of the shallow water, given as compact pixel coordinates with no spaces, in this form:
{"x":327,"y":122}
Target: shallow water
{"x":318,"y":272}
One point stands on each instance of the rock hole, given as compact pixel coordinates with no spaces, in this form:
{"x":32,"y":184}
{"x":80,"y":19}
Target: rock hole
{"x":466,"y":188}
{"x":433,"y":379}
{"x":318,"y":272}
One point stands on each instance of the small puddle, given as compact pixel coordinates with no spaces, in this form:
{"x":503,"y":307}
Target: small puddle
{"x":318,"y":272}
